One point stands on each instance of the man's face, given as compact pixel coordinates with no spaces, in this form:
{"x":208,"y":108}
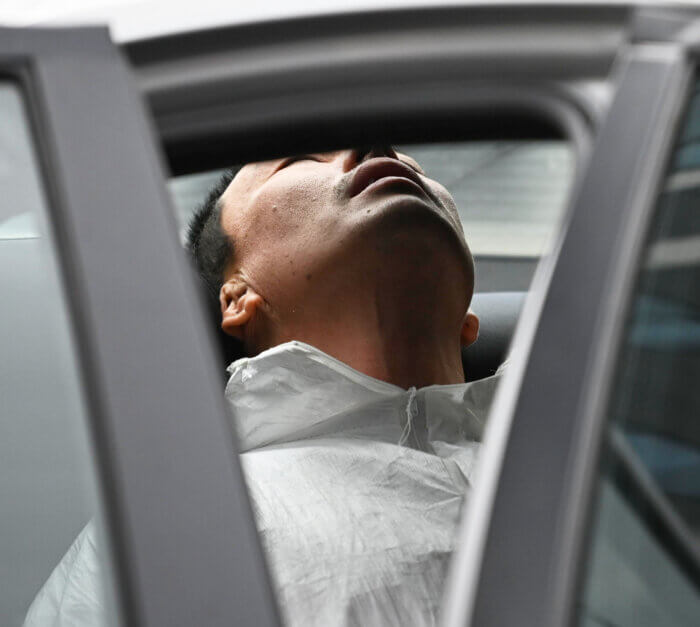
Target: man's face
{"x":294,"y":219}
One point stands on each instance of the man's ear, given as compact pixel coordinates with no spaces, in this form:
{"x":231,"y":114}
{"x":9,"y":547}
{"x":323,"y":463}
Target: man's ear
{"x":470,"y":329}
{"x":239,"y":304}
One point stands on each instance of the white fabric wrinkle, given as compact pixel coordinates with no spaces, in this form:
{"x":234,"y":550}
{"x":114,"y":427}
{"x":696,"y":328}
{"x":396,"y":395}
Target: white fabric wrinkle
{"x":410,"y":413}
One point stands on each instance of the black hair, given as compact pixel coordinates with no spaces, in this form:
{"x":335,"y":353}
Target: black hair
{"x":211,"y":249}
{"x":207,"y":242}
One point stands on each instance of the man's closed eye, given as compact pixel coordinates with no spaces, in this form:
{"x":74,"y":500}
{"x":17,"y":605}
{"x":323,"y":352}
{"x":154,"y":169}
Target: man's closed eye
{"x":289,"y":160}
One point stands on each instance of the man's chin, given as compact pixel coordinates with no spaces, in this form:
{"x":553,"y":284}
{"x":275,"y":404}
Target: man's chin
{"x":408,"y":215}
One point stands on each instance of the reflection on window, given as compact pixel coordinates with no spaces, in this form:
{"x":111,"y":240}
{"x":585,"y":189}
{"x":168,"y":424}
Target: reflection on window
{"x":47,"y":483}
{"x":645,"y":561}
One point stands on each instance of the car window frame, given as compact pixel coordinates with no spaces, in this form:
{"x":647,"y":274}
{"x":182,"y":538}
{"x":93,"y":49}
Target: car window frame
{"x":113,"y":255}
{"x":532,"y":577}
{"x":229,"y":84}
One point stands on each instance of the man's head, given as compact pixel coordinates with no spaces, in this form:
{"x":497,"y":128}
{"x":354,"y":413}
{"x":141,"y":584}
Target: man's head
{"x":287,"y":242}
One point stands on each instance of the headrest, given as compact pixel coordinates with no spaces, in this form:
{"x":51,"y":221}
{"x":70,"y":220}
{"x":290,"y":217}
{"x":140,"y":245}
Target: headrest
{"x":498,"y":314}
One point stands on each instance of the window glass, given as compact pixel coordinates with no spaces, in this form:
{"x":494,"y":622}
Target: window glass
{"x":47,"y":479}
{"x":644,"y":568}
{"x":510,"y":196}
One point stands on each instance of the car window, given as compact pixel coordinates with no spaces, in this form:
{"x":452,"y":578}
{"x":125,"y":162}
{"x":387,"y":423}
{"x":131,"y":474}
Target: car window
{"x":643,"y":563}
{"x":510,"y":196}
{"x":47,"y":479}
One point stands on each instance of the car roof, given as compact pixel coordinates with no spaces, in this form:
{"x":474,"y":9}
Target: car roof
{"x":135,"y":20}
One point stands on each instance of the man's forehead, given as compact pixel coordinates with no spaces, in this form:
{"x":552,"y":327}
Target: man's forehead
{"x":256,"y":167}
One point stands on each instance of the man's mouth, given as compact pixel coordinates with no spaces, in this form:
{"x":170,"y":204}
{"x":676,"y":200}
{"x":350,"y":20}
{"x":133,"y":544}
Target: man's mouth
{"x":379,"y":170}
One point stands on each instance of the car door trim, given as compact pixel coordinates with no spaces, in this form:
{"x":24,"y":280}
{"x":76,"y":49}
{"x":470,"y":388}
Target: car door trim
{"x":184,"y":543}
{"x":523,"y":565}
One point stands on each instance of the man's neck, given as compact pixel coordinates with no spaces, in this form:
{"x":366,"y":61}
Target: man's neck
{"x":400,"y":331}
{"x":416,"y":362}
{"x":392,"y":306}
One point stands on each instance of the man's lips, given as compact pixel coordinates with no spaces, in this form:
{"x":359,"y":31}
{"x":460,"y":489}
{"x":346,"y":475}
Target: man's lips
{"x":379,"y":168}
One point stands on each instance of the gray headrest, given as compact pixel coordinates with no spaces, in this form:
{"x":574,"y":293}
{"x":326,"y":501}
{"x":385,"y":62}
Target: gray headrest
{"x":498,"y":314}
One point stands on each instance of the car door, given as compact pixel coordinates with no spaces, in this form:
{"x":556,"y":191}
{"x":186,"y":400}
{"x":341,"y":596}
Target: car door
{"x":587,"y":522}
{"x":143,"y":376}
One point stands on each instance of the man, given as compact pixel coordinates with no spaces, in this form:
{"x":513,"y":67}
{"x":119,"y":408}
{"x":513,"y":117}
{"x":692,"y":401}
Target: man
{"x":346,"y":278}
{"x":356,"y":253}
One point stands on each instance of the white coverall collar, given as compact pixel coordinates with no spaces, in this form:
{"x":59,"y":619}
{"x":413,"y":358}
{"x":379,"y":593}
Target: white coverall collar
{"x":295,"y":392}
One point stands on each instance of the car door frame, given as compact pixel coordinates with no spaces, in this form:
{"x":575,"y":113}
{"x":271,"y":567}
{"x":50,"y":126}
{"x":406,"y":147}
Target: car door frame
{"x":182,"y":537}
{"x":523,"y":549}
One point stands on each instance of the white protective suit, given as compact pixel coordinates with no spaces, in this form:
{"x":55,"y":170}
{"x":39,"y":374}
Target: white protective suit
{"x":357,"y":486}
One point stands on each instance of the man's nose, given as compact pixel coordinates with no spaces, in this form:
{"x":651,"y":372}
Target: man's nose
{"x":358,"y":155}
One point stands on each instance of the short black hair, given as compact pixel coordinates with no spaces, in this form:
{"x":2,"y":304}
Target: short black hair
{"x":207,"y":242}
